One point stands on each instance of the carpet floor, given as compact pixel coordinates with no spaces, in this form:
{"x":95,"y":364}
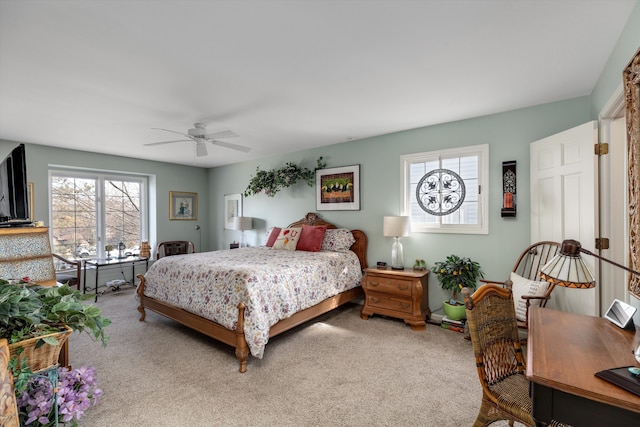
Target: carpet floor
{"x":337,"y":370}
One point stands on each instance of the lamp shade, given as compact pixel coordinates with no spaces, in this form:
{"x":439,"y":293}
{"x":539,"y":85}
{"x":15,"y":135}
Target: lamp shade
{"x":568,"y":268}
{"x":242,"y":223}
{"x":396,"y":226}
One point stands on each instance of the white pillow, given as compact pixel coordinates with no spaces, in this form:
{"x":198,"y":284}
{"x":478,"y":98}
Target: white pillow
{"x":522,"y":286}
{"x":288,"y":239}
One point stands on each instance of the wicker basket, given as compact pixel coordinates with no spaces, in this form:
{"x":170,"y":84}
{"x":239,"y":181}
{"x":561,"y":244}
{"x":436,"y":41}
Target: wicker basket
{"x":44,"y":356}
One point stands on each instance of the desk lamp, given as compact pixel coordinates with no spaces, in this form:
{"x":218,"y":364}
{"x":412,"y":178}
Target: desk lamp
{"x":396,"y":226}
{"x":569,"y":270}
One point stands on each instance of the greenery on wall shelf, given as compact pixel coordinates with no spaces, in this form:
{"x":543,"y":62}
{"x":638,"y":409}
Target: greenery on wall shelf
{"x":274,"y":180}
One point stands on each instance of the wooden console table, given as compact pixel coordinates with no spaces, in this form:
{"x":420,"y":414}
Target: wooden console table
{"x":564,"y":351}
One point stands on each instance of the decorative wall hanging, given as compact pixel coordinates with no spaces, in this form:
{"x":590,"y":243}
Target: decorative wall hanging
{"x":440,"y":192}
{"x":631,"y":82}
{"x":183,"y":205}
{"x":338,"y":189}
{"x":232,"y":209}
{"x":509,"y":189}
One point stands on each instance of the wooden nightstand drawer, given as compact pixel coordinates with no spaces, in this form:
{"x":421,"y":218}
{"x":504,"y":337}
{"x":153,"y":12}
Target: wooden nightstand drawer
{"x":385,"y":301}
{"x":390,"y":285}
{"x":397,"y":293}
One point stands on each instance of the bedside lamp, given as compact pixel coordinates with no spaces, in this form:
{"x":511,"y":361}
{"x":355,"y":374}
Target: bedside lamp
{"x":396,"y":227}
{"x":242,"y":223}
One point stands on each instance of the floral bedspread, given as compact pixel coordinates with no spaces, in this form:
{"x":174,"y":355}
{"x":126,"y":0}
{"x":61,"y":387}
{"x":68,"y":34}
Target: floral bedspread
{"x":273,"y":285}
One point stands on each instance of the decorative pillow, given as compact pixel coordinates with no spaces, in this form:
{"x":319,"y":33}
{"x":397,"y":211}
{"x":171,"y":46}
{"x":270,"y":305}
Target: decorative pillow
{"x":337,"y":240}
{"x":311,"y":238}
{"x":288,"y":239}
{"x":522,"y":286}
{"x":272,"y":235}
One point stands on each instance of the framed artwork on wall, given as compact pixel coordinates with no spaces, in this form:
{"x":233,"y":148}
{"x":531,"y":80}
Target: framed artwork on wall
{"x":232,"y":209}
{"x":183,"y":205}
{"x":338,"y":189}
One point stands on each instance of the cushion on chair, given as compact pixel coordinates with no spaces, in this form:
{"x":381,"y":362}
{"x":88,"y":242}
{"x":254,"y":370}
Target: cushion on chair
{"x":522,"y":286}
{"x":66,"y":278}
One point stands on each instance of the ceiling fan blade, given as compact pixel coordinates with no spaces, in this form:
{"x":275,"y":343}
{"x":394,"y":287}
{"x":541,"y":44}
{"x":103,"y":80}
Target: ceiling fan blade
{"x":168,"y":142}
{"x":222,"y":134}
{"x":201,"y":148}
{"x":173,"y":131}
{"x":232,"y":146}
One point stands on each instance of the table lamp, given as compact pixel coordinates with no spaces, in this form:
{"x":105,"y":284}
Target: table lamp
{"x":396,"y":227}
{"x":242,"y":223}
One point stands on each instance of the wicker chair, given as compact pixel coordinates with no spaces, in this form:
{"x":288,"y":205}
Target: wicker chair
{"x":501,"y":367}
{"x":68,"y":271}
{"x":527,"y":266}
{"x":175,"y":247}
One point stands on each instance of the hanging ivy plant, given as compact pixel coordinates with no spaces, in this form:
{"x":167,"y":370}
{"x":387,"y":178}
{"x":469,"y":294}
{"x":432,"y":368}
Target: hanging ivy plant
{"x":274,"y":180}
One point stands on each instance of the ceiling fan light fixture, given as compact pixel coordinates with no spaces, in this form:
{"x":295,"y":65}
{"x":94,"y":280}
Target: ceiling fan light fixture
{"x":201,"y":148}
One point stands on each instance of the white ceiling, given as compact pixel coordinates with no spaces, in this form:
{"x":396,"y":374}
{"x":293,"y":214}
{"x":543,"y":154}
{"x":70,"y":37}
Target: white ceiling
{"x":284,"y":75}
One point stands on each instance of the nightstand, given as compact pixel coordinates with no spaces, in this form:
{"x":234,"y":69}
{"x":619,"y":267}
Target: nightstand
{"x":397,"y":293}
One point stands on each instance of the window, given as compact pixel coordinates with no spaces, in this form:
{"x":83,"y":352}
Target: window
{"x":92,"y":211}
{"x":447,"y":207}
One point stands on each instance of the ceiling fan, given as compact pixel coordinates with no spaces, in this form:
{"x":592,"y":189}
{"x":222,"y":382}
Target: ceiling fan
{"x":200,"y":136}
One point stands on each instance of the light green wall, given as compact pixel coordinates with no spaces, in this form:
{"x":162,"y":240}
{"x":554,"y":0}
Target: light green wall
{"x":611,"y":77}
{"x":508,"y":135}
{"x":165,"y":177}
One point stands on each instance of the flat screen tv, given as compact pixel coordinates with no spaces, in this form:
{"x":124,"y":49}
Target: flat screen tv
{"x":14,"y":195}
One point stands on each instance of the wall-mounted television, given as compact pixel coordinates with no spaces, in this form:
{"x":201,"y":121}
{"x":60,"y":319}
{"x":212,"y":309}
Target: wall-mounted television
{"x":14,"y":194}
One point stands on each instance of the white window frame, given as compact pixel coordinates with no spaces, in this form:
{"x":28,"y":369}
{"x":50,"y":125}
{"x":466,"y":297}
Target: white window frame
{"x":482,"y":151}
{"x":102,"y":177}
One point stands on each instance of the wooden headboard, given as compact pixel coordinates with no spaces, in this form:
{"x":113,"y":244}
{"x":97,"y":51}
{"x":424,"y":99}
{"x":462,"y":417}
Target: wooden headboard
{"x":359,"y":247}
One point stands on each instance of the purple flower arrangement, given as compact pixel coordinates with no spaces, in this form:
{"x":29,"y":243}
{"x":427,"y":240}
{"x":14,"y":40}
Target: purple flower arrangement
{"x":77,"y":391}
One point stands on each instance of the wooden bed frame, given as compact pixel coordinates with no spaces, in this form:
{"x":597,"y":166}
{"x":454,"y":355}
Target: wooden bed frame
{"x":236,"y":338}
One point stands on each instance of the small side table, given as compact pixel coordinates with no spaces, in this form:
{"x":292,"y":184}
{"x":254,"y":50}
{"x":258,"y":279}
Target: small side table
{"x":403,"y":294}
{"x":98,"y":264}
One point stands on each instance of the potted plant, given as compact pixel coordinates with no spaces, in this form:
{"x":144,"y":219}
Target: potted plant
{"x":455,"y":273}
{"x":274,"y":180}
{"x":34,"y":319}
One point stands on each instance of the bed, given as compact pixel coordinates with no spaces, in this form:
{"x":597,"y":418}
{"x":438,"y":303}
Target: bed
{"x":243,"y":297}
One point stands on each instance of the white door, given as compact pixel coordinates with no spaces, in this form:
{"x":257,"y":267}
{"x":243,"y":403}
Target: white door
{"x":613,"y":202}
{"x":564,"y":205}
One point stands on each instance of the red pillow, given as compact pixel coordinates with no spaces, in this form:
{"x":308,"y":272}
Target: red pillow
{"x":311,"y":238}
{"x":275,"y":231}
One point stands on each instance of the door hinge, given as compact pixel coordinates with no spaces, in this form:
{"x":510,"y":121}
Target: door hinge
{"x":602,"y":243}
{"x":601,"y":148}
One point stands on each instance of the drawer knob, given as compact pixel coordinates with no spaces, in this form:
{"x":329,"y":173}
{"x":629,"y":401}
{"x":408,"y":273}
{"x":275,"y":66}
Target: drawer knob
{"x":372,"y":283}
{"x":403,"y":287}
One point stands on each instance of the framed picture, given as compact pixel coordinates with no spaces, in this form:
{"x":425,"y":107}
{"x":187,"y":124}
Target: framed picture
{"x":232,"y":209}
{"x":338,"y":189}
{"x":183,"y":205}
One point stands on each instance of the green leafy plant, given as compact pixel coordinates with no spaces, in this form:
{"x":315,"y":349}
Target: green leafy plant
{"x":455,"y":273}
{"x":29,"y":311}
{"x":274,"y":180}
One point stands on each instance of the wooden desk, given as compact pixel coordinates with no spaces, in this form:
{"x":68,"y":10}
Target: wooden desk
{"x":564,"y":351}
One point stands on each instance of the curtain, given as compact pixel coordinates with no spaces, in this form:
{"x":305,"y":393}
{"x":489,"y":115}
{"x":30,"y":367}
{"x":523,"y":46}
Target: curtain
{"x":631,"y":81}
